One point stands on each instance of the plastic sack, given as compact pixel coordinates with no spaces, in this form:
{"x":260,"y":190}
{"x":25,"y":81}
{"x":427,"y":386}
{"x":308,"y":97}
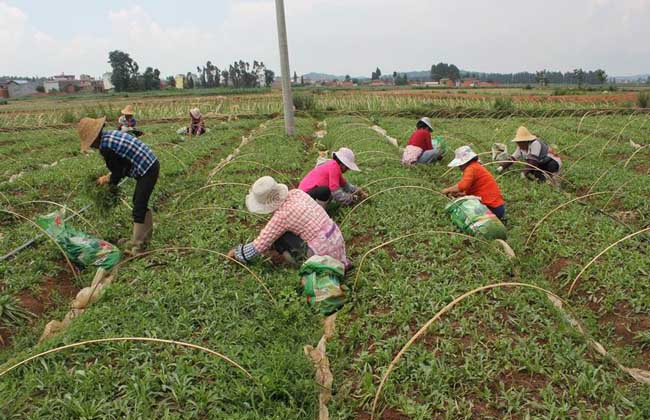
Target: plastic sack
{"x":439,"y":144}
{"x":500,"y":152}
{"x":320,"y":284}
{"x":474,"y":218}
{"x":80,"y":247}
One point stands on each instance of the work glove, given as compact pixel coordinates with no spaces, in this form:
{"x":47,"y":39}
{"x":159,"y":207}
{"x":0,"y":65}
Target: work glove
{"x":103,"y":180}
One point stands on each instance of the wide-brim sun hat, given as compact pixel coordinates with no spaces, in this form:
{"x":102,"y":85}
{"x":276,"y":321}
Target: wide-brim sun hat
{"x":346,"y":157}
{"x":523,"y":135}
{"x":427,"y":121}
{"x":88,"y":130}
{"x":462,"y":155}
{"x":128,"y":110}
{"x":195,"y":113}
{"x":266,"y":196}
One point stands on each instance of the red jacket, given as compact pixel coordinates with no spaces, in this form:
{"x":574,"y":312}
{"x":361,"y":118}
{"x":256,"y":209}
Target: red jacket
{"x":422,"y":139}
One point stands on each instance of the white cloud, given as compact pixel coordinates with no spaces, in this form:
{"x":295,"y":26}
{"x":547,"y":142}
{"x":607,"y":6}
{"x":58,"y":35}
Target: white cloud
{"x":342,"y":36}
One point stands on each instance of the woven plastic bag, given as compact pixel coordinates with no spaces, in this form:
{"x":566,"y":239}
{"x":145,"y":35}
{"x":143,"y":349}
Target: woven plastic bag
{"x":474,"y":218}
{"x":440,"y":145}
{"x":320,"y":284}
{"x":80,"y":247}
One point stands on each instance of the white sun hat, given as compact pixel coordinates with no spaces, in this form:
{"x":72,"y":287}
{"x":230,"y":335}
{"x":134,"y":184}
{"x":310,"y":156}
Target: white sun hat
{"x":462,"y":155}
{"x":266,"y":196}
{"x":346,"y":156}
{"x":196,"y":113}
{"x":427,"y":121}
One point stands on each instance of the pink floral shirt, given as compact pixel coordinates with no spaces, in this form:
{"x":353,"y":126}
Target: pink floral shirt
{"x":411,"y":154}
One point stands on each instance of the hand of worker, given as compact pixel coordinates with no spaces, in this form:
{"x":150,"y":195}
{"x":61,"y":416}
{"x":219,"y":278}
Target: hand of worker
{"x":103,"y":180}
{"x":362,"y":194}
{"x":231,"y":253}
{"x":500,"y":169}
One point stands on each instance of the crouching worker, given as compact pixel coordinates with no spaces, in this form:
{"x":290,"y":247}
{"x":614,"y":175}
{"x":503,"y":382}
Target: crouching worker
{"x":326,"y":180}
{"x":420,"y":148}
{"x":540,"y":157}
{"x":298,"y":229}
{"x":125,"y":156}
{"x":127,"y":122}
{"x":476,"y":181}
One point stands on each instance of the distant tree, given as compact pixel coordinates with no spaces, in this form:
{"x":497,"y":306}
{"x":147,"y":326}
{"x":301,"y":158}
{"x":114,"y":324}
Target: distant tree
{"x":125,"y":71}
{"x":395,"y":75}
{"x":601,"y":76}
{"x":225,"y":74}
{"x":302,"y":80}
{"x":269,"y":76}
{"x":579,"y":75}
{"x":376,"y":75}
{"x":148,"y":79}
{"x":171,"y":81}
{"x":355,"y":81}
{"x":401,"y":79}
{"x":189,"y":81}
{"x":295,"y":77}
{"x":347,"y":78}
{"x":40,"y":89}
{"x":541,"y":78}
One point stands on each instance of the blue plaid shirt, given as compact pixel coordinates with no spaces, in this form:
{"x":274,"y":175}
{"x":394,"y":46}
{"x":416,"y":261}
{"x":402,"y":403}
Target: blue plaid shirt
{"x":130,"y":148}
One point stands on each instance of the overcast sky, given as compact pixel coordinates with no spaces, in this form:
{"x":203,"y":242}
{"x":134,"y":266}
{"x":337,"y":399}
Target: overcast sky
{"x":331,"y":36}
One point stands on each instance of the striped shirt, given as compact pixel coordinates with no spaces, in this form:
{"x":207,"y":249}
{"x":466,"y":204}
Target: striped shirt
{"x":130,"y":148}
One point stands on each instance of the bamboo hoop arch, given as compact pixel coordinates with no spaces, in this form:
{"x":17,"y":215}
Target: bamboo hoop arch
{"x":633,"y":154}
{"x":371,"y":250}
{"x":70,"y":265}
{"x":196,"y":249}
{"x":539,"y":223}
{"x":205,"y":187}
{"x":631,"y":235}
{"x":641,"y":376}
{"x":76,"y":213}
{"x":142,"y":339}
{"x":215,"y":208}
{"x":418,"y":187}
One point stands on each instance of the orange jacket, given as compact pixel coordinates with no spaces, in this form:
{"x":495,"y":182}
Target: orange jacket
{"x":479,"y":181}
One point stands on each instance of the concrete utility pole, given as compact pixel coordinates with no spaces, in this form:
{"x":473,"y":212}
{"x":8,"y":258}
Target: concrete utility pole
{"x":289,"y":122}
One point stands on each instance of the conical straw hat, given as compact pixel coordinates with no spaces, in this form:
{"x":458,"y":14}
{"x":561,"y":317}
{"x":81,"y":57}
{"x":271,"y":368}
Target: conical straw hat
{"x":523,"y":135}
{"x":89,"y":129}
{"x":128,"y":110}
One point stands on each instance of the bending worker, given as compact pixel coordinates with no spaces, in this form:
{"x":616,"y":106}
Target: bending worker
{"x":476,"y":181}
{"x":327,"y":180}
{"x":420,"y":148}
{"x":539,"y":156}
{"x":125,"y":156}
{"x":298,"y":229}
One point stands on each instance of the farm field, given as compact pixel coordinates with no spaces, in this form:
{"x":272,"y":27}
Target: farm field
{"x":508,"y":351}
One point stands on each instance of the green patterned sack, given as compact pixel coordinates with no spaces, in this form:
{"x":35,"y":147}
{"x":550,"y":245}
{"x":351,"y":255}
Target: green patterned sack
{"x":320,"y":283}
{"x":474,"y":218}
{"x":440,"y":145}
{"x":80,"y":247}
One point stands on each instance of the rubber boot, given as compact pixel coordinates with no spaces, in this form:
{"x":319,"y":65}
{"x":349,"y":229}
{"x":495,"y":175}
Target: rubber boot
{"x":138,"y":241}
{"x":148,"y":223}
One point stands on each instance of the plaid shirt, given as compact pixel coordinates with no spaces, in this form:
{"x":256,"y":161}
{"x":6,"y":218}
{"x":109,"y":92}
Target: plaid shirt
{"x":130,"y":148}
{"x":299,"y":214}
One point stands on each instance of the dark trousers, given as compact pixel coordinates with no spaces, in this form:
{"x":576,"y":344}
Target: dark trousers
{"x":499,"y":212}
{"x":292,"y":243}
{"x":143,"y":188}
{"x":320,"y":193}
{"x":551,"y":166}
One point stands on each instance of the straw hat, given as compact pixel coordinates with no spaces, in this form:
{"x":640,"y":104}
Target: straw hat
{"x":266,"y":195}
{"x":195,"y":113}
{"x":89,"y":129}
{"x":346,"y":156}
{"x":427,"y":121}
{"x":462,"y":155}
{"x":128,"y":110}
{"x":524,"y":135}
